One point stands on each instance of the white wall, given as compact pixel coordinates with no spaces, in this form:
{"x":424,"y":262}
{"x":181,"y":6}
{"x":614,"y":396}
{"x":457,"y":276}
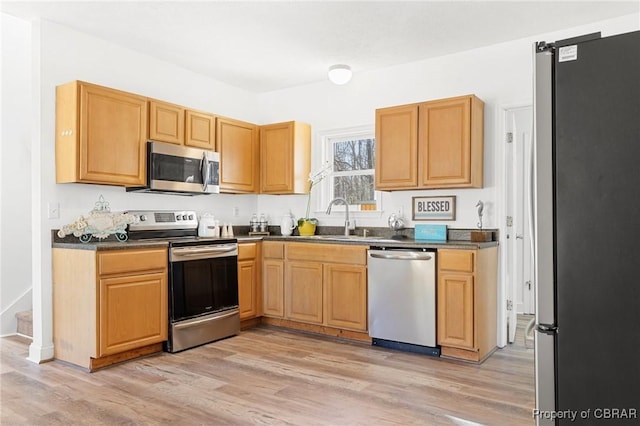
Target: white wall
{"x":499,"y":75}
{"x":62,"y":55}
{"x":15,"y":173}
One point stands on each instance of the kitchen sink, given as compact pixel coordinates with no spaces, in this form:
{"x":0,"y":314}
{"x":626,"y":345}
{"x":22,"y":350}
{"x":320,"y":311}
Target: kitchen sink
{"x":352,"y":238}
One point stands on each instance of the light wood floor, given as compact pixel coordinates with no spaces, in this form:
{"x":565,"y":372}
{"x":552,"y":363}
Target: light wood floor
{"x":270,"y":376}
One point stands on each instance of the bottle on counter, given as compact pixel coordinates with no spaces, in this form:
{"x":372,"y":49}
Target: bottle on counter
{"x":263,"y":223}
{"x":229,"y":230}
{"x":254,"y":224}
{"x":216,"y":229}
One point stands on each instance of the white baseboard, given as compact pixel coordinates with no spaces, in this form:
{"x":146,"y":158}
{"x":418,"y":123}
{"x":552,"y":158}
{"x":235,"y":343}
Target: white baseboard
{"x":40,"y":354}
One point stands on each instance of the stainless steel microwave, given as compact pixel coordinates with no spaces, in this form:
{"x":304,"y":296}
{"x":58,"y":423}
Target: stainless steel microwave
{"x":181,"y":170}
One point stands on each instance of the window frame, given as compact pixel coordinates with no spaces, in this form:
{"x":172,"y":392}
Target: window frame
{"x":327,"y":139}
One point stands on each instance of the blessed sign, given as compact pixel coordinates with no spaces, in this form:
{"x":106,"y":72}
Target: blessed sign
{"x":434,"y":208}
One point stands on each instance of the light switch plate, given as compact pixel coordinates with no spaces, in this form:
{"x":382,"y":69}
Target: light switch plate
{"x":53,"y":210}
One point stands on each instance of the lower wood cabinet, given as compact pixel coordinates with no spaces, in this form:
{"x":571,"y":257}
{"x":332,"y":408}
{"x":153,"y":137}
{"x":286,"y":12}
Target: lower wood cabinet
{"x":108,"y":306}
{"x":345,"y":296}
{"x":326,"y":284}
{"x":303,"y":291}
{"x":273,"y":279}
{"x":131,"y":312}
{"x":249,"y":289}
{"x":467,"y":310}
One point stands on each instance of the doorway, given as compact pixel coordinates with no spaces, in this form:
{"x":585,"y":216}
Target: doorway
{"x":519,"y":230}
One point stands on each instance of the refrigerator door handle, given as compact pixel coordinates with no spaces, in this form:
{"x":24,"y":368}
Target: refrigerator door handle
{"x":547,"y":329}
{"x":543,"y":189}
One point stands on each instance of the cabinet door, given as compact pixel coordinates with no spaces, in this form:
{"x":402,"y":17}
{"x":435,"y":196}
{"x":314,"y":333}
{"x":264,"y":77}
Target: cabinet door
{"x":455,"y":310}
{"x":397,"y":147}
{"x":276,"y":158}
{"x":200,"y":130}
{"x":166,"y":122}
{"x":273,"y":292}
{"x":247,"y":283}
{"x":285,"y":158}
{"x":303,"y":291}
{"x":345,"y":298}
{"x":133,"y":312}
{"x":237,"y":143}
{"x":445,"y":143}
{"x":249,"y":290}
{"x":112,"y":137}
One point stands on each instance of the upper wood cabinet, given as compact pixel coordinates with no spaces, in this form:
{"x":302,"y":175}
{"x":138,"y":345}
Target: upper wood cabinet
{"x":397,"y":147}
{"x":101,"y":135}
{"x":435,"y":144}
{"x":175,"y":124}
{"x":238,"y":145}
{"x":285,"y":158}
{"x":200,"y":130}
{"x":166,"y":122}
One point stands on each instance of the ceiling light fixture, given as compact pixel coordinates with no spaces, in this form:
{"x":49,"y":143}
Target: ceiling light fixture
{"x":340,"y":74}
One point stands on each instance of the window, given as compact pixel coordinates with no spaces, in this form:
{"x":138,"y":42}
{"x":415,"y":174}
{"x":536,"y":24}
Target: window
{"x":352,"y":155}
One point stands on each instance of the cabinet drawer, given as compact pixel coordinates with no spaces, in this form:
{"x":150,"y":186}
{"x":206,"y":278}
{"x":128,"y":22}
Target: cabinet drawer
{"x":334,"y":253}
{"x":456,"y":260}
{"x":273,"y":250}
{"x":247,"y":251}
{"x":125,"y":261}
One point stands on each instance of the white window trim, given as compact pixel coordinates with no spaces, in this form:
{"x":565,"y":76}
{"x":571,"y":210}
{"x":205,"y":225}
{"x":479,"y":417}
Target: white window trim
{"x":324,"y":187}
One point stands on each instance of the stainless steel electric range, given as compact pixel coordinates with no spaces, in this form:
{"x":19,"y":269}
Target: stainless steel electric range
{"x":203,"y":278}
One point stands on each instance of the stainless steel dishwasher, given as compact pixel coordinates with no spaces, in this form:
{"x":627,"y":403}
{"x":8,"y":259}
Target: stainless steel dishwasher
{"x":402,"y":299}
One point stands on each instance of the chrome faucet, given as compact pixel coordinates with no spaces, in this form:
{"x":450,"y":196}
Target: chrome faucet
{"x":346,"y":205}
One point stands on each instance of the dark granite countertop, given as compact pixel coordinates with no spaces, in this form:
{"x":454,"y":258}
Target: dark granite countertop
{"x":329,"y":235}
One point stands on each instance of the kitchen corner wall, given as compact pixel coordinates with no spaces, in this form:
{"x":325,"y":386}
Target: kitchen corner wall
{"x":56,"y":55}
{"x":500,"y":75}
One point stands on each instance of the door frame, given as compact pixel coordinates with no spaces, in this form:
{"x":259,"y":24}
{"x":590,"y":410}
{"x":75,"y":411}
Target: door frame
{"x":501,"y":175}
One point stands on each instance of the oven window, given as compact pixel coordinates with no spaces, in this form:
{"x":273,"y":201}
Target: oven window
{"x":203,"y":286}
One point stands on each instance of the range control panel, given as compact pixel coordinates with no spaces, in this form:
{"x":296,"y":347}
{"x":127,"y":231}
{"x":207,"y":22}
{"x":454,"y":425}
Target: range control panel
{"x":164,"y":219}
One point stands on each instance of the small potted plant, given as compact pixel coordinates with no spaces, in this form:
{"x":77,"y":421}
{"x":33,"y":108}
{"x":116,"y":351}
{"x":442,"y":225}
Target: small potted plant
{"x":307,"y":225}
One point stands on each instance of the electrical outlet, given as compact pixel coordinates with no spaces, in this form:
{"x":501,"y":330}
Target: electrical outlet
{"x":53,"y":210}
{"x":236,"y":212}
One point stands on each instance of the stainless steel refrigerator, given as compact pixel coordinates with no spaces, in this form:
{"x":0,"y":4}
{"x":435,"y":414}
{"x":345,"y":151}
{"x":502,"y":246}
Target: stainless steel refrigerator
{"x":587,"y":230}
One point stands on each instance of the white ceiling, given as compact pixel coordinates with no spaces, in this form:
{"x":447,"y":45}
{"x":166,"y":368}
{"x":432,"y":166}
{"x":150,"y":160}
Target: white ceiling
{"x":266,"y":45}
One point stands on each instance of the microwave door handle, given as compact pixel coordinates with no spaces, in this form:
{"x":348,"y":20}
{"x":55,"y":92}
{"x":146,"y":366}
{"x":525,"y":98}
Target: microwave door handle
{"x":204,"y":170}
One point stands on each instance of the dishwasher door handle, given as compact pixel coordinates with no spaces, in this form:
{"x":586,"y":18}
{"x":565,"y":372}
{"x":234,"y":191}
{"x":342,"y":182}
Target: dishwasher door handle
{"x":413,"y":255}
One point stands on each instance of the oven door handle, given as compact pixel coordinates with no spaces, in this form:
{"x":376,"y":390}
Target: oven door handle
{"x":402,"y":256}
{"x":197,"y":322}
{"x":198,"y":252}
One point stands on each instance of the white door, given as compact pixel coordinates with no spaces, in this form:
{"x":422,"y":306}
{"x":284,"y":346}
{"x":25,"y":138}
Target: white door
{"x":519,"y":126}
